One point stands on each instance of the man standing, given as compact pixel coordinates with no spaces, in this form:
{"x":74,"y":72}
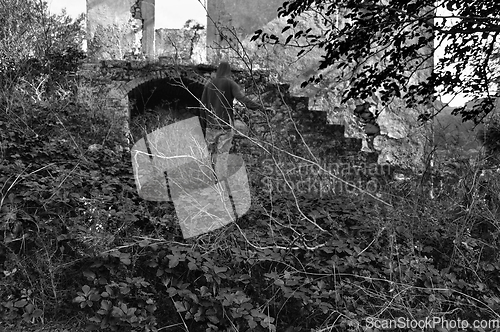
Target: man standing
{"x":217,"y":115}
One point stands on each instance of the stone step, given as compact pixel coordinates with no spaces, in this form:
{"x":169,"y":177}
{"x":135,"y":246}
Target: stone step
{"x":324,"y":139}
{"x":336,"y":128}
{"x":318,"y":132}
{"x":307,"y":116}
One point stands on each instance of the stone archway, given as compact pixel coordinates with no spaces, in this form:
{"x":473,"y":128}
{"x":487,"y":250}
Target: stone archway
{"x":106,"y":86}
{"x":159,"y":102}
{"x":125,"y":82}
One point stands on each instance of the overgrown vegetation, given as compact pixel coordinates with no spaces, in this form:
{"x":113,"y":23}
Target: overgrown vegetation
{"x":78,"y":244}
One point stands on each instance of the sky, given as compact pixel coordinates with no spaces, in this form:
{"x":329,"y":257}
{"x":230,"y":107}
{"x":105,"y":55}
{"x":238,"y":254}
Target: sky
{"x":458,"y":99}
{"x":169,"y":13}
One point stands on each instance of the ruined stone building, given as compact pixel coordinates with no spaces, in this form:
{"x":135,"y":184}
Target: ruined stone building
{"x":121,"y":29}
{"x":117,"y":29}
{"x":125,"y":30}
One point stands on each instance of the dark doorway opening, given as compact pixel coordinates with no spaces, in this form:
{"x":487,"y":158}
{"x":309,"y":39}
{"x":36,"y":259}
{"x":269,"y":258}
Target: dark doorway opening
{"x":160,"y":102}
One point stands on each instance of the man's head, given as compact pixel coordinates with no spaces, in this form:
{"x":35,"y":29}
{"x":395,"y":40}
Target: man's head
{"x":224,"y":70}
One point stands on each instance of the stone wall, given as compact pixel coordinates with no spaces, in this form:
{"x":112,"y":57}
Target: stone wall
{"x":184,"y":46}
{"x":291,"y":134}
{"x":402,"y":140}
{"x":231,"y":19}
{"x":118,"y":29}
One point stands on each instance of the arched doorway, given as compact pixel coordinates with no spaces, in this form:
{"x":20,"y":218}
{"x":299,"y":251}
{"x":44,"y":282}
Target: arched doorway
{"x":160,"y":102}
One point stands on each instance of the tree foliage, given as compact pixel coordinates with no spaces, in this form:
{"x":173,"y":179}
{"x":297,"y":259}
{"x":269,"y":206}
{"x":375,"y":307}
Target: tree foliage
{"x":387,"y":44}
{"x":32,"y":39}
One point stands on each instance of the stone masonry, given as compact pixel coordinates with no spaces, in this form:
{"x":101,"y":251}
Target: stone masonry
{"x":231,"y":19}
{"x":121,"y":28}
{"x":290,"y":129}
{"x":131,"y":35}
{"x":128,"y":26}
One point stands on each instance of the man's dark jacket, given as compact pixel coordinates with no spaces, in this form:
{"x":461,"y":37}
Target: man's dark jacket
{"x":218,"y":97}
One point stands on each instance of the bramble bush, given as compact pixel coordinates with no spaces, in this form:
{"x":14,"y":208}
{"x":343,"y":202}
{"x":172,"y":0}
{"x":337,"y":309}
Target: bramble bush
{"x":77,"y":241}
